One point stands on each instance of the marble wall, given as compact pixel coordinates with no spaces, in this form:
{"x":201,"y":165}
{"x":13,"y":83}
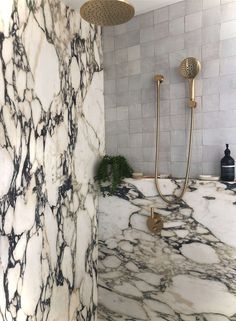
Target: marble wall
{"x":187,"y":273}
{"x":51,"y":135}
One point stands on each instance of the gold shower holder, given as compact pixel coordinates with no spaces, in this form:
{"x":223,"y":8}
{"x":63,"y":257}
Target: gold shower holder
{"x":159,"y":78}
{"x":192,"y":104}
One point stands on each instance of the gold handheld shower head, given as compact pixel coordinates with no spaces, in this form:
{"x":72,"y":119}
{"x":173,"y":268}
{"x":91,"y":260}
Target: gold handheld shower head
{"x":107,"y":12}
{"x":189,"y":69}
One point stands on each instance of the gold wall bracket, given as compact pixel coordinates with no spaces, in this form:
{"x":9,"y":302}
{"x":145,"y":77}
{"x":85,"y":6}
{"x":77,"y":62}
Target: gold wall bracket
{"x":155,"y":222}
{"x":192,"y":104}
{"x":159,"y":78}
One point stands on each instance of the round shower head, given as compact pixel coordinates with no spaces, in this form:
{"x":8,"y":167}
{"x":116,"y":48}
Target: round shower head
{"x":190,"y":67}
{"x":107,"y":12}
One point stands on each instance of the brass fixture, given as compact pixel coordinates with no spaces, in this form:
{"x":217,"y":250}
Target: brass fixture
{"x":159,"y":78}
{"x":155,"y":222}
{"x":107,"y":12}
{"x":189,"y":68}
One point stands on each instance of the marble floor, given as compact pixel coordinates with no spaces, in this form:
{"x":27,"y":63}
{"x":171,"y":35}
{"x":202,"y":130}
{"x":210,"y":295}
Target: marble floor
{"x":187,"y":273}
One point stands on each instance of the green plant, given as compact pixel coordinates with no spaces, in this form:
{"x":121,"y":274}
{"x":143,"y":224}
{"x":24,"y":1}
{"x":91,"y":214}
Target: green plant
{"x":113,"y":169}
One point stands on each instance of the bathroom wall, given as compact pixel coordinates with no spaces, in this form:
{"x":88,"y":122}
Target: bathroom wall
{"x":51,"y":135}
{"x":156,"y":42}
{"x":185,"y":273}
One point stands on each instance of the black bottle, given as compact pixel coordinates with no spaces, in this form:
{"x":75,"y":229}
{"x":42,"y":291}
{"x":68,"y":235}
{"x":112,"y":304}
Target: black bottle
{"x":227,"y":166}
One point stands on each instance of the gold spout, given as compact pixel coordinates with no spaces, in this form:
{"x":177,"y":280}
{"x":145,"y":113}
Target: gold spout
{"x":152,"y":212}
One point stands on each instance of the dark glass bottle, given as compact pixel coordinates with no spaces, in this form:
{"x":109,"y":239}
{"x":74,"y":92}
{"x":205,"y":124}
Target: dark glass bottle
{"x":227,"y":166}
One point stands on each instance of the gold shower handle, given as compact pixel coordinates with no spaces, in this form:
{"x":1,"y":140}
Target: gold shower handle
{"x":192,"y":103}
{"x":155,"y":222}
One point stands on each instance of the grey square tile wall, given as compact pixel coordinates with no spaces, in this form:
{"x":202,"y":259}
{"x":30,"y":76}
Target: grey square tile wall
{"x":156,"y":42}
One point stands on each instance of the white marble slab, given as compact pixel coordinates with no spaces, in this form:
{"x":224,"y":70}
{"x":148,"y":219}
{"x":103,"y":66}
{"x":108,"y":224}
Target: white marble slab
{"x":51,"y":137}
{"x":187,"y":272}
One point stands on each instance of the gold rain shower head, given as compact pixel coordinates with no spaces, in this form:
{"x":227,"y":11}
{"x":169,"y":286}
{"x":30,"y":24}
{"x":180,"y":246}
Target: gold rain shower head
{"x":107,"y":12}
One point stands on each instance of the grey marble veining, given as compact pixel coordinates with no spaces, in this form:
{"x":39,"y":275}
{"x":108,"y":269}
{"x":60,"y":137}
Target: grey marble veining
{"x":51,"y":135}
{"x":187,"y":273}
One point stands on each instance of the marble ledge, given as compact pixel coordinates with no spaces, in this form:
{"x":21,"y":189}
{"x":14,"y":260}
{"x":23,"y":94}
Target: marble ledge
{"x":187,"y":273}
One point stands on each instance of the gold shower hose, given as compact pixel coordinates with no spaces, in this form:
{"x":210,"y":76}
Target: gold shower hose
{"x":176,"y":199}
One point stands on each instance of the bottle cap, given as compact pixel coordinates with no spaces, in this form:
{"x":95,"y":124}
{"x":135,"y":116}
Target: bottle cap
{"x":227,"y":151}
